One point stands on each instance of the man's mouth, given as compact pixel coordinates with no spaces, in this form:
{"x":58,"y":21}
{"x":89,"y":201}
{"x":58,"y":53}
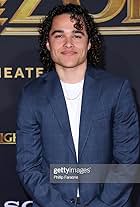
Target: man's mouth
{"x":68,"y":53}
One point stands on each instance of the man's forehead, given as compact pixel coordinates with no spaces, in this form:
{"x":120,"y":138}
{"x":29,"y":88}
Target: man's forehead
{"x":66,"y":20}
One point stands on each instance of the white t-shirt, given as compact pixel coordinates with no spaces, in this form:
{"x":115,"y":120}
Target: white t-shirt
{"x":73,"y":98}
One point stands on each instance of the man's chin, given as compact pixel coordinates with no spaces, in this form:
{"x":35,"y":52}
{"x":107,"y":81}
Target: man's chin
{"x":68,"y":65}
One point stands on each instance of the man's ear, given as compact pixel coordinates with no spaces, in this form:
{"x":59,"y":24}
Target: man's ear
{"x":48,"y":45}
{"x":89,"y":45}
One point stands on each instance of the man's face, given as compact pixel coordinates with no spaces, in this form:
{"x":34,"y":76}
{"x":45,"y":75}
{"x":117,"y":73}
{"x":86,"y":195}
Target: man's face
{"x":67,"y":45}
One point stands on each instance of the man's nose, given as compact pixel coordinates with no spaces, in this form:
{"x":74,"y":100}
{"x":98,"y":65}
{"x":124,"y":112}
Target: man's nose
{"x":68,"y":42}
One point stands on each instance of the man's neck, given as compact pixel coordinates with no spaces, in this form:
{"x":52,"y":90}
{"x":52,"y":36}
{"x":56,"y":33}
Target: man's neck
{"x":71,"y":75}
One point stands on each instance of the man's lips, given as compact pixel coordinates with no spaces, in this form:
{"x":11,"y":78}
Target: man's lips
{"x":68,"y":52}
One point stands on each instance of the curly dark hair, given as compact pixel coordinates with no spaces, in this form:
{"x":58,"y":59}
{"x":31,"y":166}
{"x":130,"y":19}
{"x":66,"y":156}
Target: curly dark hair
{"x":80,"y":15}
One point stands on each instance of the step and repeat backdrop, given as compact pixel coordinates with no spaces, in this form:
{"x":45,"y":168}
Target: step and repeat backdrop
{"x":119,"y":23}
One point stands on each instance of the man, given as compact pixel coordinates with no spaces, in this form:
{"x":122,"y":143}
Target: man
{"x":74,"y":113}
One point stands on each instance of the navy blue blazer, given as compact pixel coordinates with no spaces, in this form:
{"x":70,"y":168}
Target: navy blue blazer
{"x":108,"y":133}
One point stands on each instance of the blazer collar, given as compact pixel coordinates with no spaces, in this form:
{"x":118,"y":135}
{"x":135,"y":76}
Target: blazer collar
{"x":91,"y":71}
{"x":90,"y":101}
{"x":56,"y":98}
{"x":90,"y":105}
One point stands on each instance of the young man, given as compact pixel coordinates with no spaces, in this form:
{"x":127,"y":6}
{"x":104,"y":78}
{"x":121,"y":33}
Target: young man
{"x":74,"y":113}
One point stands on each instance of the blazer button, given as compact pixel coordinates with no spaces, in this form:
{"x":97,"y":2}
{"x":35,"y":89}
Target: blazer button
{"x":72,"y":200}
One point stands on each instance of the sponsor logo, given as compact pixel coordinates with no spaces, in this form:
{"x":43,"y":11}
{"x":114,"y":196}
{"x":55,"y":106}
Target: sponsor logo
{"x":24,"y":16}
{"x":8,"y":138}
{"x":18,"y":204}
{"x":20,"y":72}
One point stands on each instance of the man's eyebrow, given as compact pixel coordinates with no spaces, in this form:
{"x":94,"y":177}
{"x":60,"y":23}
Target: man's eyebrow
{"x":57,"y":31}
{"x":79,"y":31}
{"x":62,"y":31}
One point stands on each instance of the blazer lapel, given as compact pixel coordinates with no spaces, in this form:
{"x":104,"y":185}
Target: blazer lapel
{"x":56,"y":98}
{"x":90,"y":104}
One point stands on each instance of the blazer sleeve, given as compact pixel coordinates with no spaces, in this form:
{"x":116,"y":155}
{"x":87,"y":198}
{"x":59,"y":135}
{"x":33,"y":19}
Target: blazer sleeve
{"x":29,"y":157}
{"x":125,"y":135}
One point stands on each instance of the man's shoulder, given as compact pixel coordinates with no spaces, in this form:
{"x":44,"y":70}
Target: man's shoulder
{"x":103,"y":74}
{"x":110,"y":83}
{"x":36,"y":85}
{"x":107,"y":78}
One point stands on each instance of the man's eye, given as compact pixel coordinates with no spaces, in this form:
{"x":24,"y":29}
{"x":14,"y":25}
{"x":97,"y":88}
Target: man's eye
{"x":78,"y":36}
{"x":58,"y":36}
